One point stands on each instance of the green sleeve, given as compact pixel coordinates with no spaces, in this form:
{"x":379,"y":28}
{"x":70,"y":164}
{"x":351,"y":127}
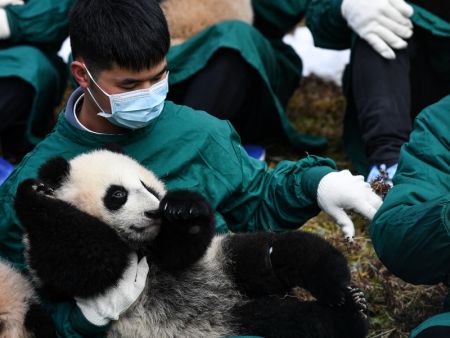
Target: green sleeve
{"x":277,"y":199}
{"x":275,"y":18}
{"x":411,"y":231}
{"x":328,"y":27}
{"x":70,"y":322}
{"x":40,"y":21}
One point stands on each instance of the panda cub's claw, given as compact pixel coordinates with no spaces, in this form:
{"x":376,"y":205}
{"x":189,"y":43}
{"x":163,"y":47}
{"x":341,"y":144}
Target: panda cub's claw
{"x":358,"y":300}
{"x":43,"y":189}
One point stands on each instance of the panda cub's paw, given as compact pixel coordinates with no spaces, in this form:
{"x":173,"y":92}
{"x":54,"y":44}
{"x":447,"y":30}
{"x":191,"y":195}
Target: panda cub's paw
{"x":30,"y":193}
{"x":357,"y":301}
{"x":187,"y":210}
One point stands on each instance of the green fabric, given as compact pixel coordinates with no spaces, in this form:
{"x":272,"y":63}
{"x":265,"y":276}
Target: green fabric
{"x":411,"y":230}
{"x":200,"y":153}
{"x":276,"y":18}
{"x":330,"y":30}
{"x":442,"y":319}
{"x":277,"y":64}
{"x":37,"y":31}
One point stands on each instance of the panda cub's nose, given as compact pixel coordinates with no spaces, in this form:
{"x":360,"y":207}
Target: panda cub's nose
{"x":152,"y":214}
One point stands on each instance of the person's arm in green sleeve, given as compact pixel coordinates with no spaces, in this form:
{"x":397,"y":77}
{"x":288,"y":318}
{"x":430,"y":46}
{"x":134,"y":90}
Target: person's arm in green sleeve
{"x":39,"y":21}
{"x":276,"y":18}
{"x":327,"y":25}
{"x":411,"y":231}
{"x":288,"y":195}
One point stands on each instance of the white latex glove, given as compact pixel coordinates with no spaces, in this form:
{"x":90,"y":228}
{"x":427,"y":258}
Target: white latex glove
{"x":5,"y":32}
{"x":340,"y":191}
{"x":382,"y":23}
{"x":4,"y":3}
{"x":112,"y":303}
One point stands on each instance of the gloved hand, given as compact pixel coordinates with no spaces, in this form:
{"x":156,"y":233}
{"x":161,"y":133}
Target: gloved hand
{"x":340,"y":191}
{"x":4,"y":3}
{"x":382,"y":23}
{"x":5,"y":31}
{"x":110,"y":305}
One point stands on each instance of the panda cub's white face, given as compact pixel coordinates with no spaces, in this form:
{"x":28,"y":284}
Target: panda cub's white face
{"x":117,"y":190}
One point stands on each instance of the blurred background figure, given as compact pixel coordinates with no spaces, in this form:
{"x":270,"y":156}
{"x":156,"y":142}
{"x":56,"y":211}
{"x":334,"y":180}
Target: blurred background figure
{"x":228,"y":58}
{"x":32,"y":76}
{"x":400,"y":64}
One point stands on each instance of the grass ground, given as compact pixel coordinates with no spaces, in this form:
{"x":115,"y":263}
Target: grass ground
{"x":395,"y":306}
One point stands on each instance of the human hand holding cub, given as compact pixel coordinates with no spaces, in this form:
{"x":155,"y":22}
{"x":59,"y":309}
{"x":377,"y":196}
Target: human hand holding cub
{"x":110,"y":305}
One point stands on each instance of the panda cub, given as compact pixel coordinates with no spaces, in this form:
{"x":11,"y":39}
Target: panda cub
{"x":85,"y":216}
{"x":21,"y":315}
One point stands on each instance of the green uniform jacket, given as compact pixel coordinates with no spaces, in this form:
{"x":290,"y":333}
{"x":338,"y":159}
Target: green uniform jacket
{"x":411,"y":231}
{"x":261,"y":46}
{"x":330,"y":30}
{"x":187,"y":149}
{"x":37,"y":31}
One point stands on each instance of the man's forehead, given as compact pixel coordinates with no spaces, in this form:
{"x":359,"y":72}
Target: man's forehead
{"x":120,"y":73}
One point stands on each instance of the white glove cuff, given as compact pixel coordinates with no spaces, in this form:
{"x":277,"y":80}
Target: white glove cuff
{"x":92,"y":316}
{"x":5,"y":32}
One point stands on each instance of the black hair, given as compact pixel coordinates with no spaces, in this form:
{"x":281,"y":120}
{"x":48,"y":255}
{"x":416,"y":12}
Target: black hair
{"x":132,"y":34}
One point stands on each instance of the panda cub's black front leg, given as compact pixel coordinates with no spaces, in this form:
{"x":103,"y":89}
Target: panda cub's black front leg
{"x":187,"y":228}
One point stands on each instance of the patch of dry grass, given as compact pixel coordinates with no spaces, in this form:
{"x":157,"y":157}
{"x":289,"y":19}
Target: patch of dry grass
{"x":395,"y":307}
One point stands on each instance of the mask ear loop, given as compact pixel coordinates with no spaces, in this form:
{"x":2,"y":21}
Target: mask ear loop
{"x":90,"y":93}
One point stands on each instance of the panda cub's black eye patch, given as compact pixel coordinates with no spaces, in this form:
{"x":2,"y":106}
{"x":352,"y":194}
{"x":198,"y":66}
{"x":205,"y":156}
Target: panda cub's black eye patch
{"x":115,"y":197}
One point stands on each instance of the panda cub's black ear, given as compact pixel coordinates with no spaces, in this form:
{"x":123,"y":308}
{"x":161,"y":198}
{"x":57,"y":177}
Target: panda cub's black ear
{"x":54,"y":171}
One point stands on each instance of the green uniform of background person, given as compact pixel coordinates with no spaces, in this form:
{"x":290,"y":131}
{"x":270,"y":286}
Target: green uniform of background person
{"x":330,"y":30}
{"x":261,"y":46}
{"x":37,"y":30}
{"x":411,"y":231}
{"x":246,"y":194}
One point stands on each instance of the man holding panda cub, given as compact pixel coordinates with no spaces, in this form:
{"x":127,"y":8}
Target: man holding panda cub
{"x":119,"y":50}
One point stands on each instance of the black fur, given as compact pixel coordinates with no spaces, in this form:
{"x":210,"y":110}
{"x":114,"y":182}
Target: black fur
{"x":186,"y":230}
{"x":115,"y":197}
{"x":286,"y":316}
{"x":54,"y":171}
{"x":297,"y":259}
{"x":65,"y":239}
{"x":39,"y":322}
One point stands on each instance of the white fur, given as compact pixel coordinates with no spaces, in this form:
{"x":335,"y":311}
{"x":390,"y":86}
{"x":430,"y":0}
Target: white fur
{"x":194,"y":304}
{"x":90,"y":176}
{"x":16,"y":294}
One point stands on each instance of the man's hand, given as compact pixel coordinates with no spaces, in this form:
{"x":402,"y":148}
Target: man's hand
{"x":340,"y":191}
{"x":112,"y":303}
{"x":384,"y":24}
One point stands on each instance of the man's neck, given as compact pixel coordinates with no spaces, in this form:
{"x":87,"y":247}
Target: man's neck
{"x":88,"y":117}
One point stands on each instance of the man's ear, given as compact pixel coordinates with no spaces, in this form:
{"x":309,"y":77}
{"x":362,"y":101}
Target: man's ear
{"x":79,"y":73}
{"x":54,"y":171}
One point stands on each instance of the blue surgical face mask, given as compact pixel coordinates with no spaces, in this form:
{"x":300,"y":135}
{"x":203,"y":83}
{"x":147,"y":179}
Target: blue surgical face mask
{"x":135,"y":109}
